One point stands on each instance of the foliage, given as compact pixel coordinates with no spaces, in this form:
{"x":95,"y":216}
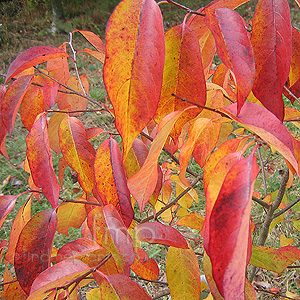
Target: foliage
{"x":166,"y":95}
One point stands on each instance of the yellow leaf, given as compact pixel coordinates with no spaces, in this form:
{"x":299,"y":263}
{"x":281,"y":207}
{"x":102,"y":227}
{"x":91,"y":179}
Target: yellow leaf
{"x":183,"y":274}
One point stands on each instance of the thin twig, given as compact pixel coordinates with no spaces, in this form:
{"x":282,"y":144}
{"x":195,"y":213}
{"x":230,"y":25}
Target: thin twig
{"x":172,"y":202}
{"x":263,"y":171}
{"x":201,"y":106}
{"x":80,"y":202}
{"x":186,"y":8}
{"x":272,"y":293}
{"x":291,"y":94}
{"x":166,"y":293}
{"x":75,"y":63}
{"x":152,"y":281}
{"x":8,"y":282}
{"x":269,"y":217}
{"x":67,"y":87}
{"x":73,"y":111}
{"x":261,"y":202}
{"x":286,"y":208}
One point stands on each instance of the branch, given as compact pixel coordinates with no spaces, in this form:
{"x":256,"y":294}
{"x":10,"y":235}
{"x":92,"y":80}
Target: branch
{"x":75,"y":63}
{"x":261,"y":202}
{"x":201,"y":106}
{"x":291,"y":94}
{"x":166,"y":293}
{"x":269,"y":217}
{"x":186,"y":8}
{"x":286,"y":208}
{"x":81,"y":202}
{"x":172,"y":202}
{"x":263,"y":171}
{"x":8,"y":282}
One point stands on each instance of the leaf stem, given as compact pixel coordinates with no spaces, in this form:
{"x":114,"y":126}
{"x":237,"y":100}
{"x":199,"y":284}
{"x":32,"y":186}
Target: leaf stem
{"x":291,"y":94}
{"x":263,"y":171}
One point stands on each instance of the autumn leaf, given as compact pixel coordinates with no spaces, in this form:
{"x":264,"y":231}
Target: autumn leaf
{"x":234,"y":48}
{"x":272,"y":40}
{"x":77,"y":151}
{"x":183,"y":274}
{"x":228,"y":237}
{"x":133,"y":68}
{"x":144,"y":266}
{"x":109,"y":231}
{"x":183,"y":75}
{"x":275,"y":260}
{"x":40,"y":160}
{"x":158,"y":233}
{"x":32,"y":57}
{"x":33,"y":249}
{"x":11,"y":101}
{"x":111,"y":181}
{"x":55,"y":276}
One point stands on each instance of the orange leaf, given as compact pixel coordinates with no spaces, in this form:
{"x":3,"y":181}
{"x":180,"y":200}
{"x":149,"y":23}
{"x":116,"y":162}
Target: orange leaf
{"x":40,"y":160}
{"x":32,"y":105}
{"x":89,"y":252}
{"x":158,"y":233}
{"x":70,"y":215}
{"x":111,"y":181}
{"x":32,"y":57}
{"x":234,"y":48}
{"x":92,"y":38}
{"x":183,"y":75}
{"x":143,"y":183}
{"x":294,"y":75}
{"x":192,"y":220}
{"x":75,"y":102}
{"x":144,"y":266}
{"x":275,"y":260}
{"x":183,"y":274}
{"x":23,"y":216}
{"x":33,"y":249}
{"x":77,"y":151}
{"x":272,"y":40}
{"x":133,"y":68}
{"x":109,"y":231}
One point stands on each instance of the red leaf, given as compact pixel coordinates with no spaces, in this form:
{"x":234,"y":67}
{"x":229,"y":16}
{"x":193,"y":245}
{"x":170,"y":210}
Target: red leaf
{"x":111,"y":181}
{"x":55,"y":276}
{"x":158,"y":233}
{"x":12,"y":99}
{"x":40,"y":160}
{"x":33,"y":250}
{"x":234,"y":48}
{"x":77,"y":151}
{"x":271,"y":39}
{"x":7,"y":203}
{"x":32,"y":57}
{"x":119,"y":287}
{"x":262,"y":122}
{"x":229,"y":221}
{"x":133,"y":68}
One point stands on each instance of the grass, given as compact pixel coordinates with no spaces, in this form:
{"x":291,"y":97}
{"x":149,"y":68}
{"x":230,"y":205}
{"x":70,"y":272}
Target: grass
{"x":26,"y":24}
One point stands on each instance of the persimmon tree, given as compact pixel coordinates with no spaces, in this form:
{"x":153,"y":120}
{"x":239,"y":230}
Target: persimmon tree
{"x":168,"y":96}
